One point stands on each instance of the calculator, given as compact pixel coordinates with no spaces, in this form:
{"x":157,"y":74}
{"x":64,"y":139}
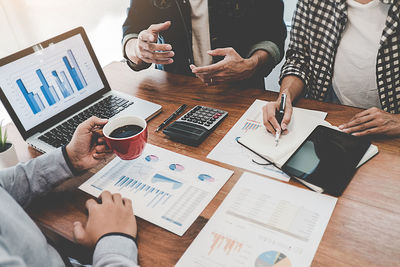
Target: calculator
{"x":194,"y":126}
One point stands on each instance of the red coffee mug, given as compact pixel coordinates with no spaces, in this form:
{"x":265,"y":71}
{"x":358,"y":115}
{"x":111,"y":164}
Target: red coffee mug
{"x":130,"y":147}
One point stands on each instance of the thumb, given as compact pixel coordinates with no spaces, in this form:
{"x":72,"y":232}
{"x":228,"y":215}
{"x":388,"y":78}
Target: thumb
{"x":219,"y":52}
{"x":156,"y":28}
{"x":79,"y":232}
{"x":92,"y":122}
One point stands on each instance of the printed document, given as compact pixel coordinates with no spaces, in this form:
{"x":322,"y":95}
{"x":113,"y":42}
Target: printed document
{"x":166,"y":188}
{"x":262,"y":222}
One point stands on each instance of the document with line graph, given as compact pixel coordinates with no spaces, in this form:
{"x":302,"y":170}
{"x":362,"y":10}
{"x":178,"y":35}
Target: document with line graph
{"x":166,"y":188}
{"x":262,"y":223}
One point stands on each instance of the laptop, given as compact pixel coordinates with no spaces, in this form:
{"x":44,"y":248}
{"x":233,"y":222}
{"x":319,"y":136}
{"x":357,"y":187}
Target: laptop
{"x":51,"y":87}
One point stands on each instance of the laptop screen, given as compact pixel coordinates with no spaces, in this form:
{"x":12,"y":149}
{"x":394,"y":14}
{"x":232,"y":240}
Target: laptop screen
{"x":49,"y":80}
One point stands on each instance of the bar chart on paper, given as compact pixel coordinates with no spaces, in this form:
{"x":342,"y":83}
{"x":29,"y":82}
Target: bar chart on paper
{"x":168,"y":189}
{"x":63,"y":85}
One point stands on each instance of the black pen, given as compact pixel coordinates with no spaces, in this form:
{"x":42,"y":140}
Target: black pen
{"x":279,"y":117}
{"x":173,"y":116}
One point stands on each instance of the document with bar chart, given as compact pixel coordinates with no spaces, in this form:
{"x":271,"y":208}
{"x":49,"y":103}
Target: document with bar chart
{"x":46,"y":82}
{"x":166,"y":188}
{"x":231,"y":152}
{"x":262,"y":223}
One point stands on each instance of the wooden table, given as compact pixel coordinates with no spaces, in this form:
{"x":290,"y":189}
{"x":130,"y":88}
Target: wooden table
{"x":365,"y":226}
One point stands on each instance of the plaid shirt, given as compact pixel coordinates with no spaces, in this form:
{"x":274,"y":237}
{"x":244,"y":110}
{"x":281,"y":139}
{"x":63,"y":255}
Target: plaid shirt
{"x":316,"y":32}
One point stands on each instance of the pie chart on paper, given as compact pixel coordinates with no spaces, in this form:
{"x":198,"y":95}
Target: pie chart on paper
{"x":151,"y":158}
{"x":272,"y":259}
{"x":206,"y":178}
{"x":176,"y":167}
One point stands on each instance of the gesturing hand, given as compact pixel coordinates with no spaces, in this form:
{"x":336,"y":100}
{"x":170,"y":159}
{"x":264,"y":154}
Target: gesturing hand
{"x":83,"y":151}
{"x":373,"y":121}
{"x":114,"y":214}
{"x":146,"y":49}
{"x":232,"y":68}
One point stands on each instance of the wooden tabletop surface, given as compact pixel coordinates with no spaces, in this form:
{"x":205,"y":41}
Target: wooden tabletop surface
{"x":365,"y":226}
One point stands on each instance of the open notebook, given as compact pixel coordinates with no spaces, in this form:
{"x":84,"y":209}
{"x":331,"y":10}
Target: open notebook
{"x":303,"y":122}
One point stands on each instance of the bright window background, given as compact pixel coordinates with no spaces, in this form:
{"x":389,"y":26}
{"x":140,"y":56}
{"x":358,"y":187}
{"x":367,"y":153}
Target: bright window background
{"x":26,"y":22}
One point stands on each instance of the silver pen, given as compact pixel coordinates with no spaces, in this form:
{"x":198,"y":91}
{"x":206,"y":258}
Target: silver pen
{"x":279,"y":117}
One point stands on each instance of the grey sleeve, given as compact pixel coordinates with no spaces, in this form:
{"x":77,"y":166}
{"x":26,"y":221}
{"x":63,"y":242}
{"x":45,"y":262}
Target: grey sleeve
{"x":35,"y":177}
{"x":115,"y":250}
{"x":269,"y":47}
{"x":7,"y":259}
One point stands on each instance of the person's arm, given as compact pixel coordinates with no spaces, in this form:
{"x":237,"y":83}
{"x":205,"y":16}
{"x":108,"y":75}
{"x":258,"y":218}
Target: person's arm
{"x":140,"y":36}
{"x":7,"y":259}
{"x":297,"y":56}
{"x":262,"y":55}
{"x":295,"y":71}
{"x":293,"y":87}
{"x":373,"y":121}
{"x":144,"y":50}
{"x":271,"y":36}
{"x":111,"y":229}
{"x":40,"y":175}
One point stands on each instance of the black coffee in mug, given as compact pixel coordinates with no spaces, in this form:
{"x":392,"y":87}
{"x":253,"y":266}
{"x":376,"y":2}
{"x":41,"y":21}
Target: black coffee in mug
{"x":126,"y":131}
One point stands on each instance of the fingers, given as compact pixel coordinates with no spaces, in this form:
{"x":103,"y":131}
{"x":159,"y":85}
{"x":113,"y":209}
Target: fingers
{"x":156,"y":47}
{"x":270,"y":122}
{"x":102,"y":149}
{"x":156,"y":28}
{"x":128,"y":203}
{"x":117,"y":198}
{"x":356,"y":123}
{"x":106,"y":197}
{"x":287,"y":116}
{"x":210,"y":69}
{"x":221,"y":51}
{"x":79,"y":232}
{"x":365,"y":128}
{"x":158,"y":57}
{"x":93,"y":122}
{"x":90,"y":204}
{"x":101,"y":156}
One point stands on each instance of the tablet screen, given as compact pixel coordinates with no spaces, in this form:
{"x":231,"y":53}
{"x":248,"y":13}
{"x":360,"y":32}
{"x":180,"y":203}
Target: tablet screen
{"x":327,"y":158}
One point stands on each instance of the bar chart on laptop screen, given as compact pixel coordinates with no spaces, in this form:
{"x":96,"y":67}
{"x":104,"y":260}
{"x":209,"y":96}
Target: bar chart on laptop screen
{"x":62,"y":86}
{"x":44,"y":83}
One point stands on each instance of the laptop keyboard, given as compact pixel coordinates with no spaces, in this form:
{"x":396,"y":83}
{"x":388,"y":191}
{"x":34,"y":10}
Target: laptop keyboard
{"x":106,"y":108}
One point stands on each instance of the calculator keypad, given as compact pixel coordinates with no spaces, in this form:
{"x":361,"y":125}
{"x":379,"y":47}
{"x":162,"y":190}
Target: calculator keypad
{"x":204,"y":116}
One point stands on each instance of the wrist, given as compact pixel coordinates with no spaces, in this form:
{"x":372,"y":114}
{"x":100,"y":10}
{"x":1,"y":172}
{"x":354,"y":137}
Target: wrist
{"x":73,"y":160}
{"x":250,"y":66}
{"x":131,"y":51}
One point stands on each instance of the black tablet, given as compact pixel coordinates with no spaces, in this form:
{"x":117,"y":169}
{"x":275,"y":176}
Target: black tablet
{"x":327,"y":159}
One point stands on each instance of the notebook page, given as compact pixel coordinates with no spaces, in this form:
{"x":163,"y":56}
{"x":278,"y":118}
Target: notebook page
{"x":260,"y":141}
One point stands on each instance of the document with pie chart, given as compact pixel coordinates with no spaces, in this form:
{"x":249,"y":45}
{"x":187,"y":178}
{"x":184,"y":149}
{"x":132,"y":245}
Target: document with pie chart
{"x":262,"y":223}
{"x":166,"y":188}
